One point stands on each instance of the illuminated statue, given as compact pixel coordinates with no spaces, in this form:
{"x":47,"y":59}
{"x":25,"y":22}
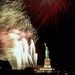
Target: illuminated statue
{"x":17,"y":36}
{"x":46,"y":52}
{"x":47,"y":64}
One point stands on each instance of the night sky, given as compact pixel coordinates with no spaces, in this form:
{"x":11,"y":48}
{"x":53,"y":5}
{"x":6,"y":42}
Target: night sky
{"x":54,"y":21}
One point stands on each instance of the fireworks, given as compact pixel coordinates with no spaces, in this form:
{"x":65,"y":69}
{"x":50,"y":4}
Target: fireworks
{"x":12,"y":16}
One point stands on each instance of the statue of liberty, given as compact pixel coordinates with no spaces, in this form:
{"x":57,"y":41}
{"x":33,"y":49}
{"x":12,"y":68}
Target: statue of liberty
{"x":46,"y":52}
{"x":47,"y":64}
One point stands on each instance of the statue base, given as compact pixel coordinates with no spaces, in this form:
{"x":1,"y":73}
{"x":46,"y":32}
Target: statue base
{"x":47,"y":63}
{"x":47,"y":66}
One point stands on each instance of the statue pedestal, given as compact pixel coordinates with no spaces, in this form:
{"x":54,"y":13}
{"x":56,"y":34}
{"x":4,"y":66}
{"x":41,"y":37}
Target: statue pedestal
{"x":46,"y":68}
{"x":47,"y":64}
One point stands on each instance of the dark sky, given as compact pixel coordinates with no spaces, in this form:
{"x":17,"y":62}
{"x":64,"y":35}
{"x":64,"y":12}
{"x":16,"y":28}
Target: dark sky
{"x":54,"y":20}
